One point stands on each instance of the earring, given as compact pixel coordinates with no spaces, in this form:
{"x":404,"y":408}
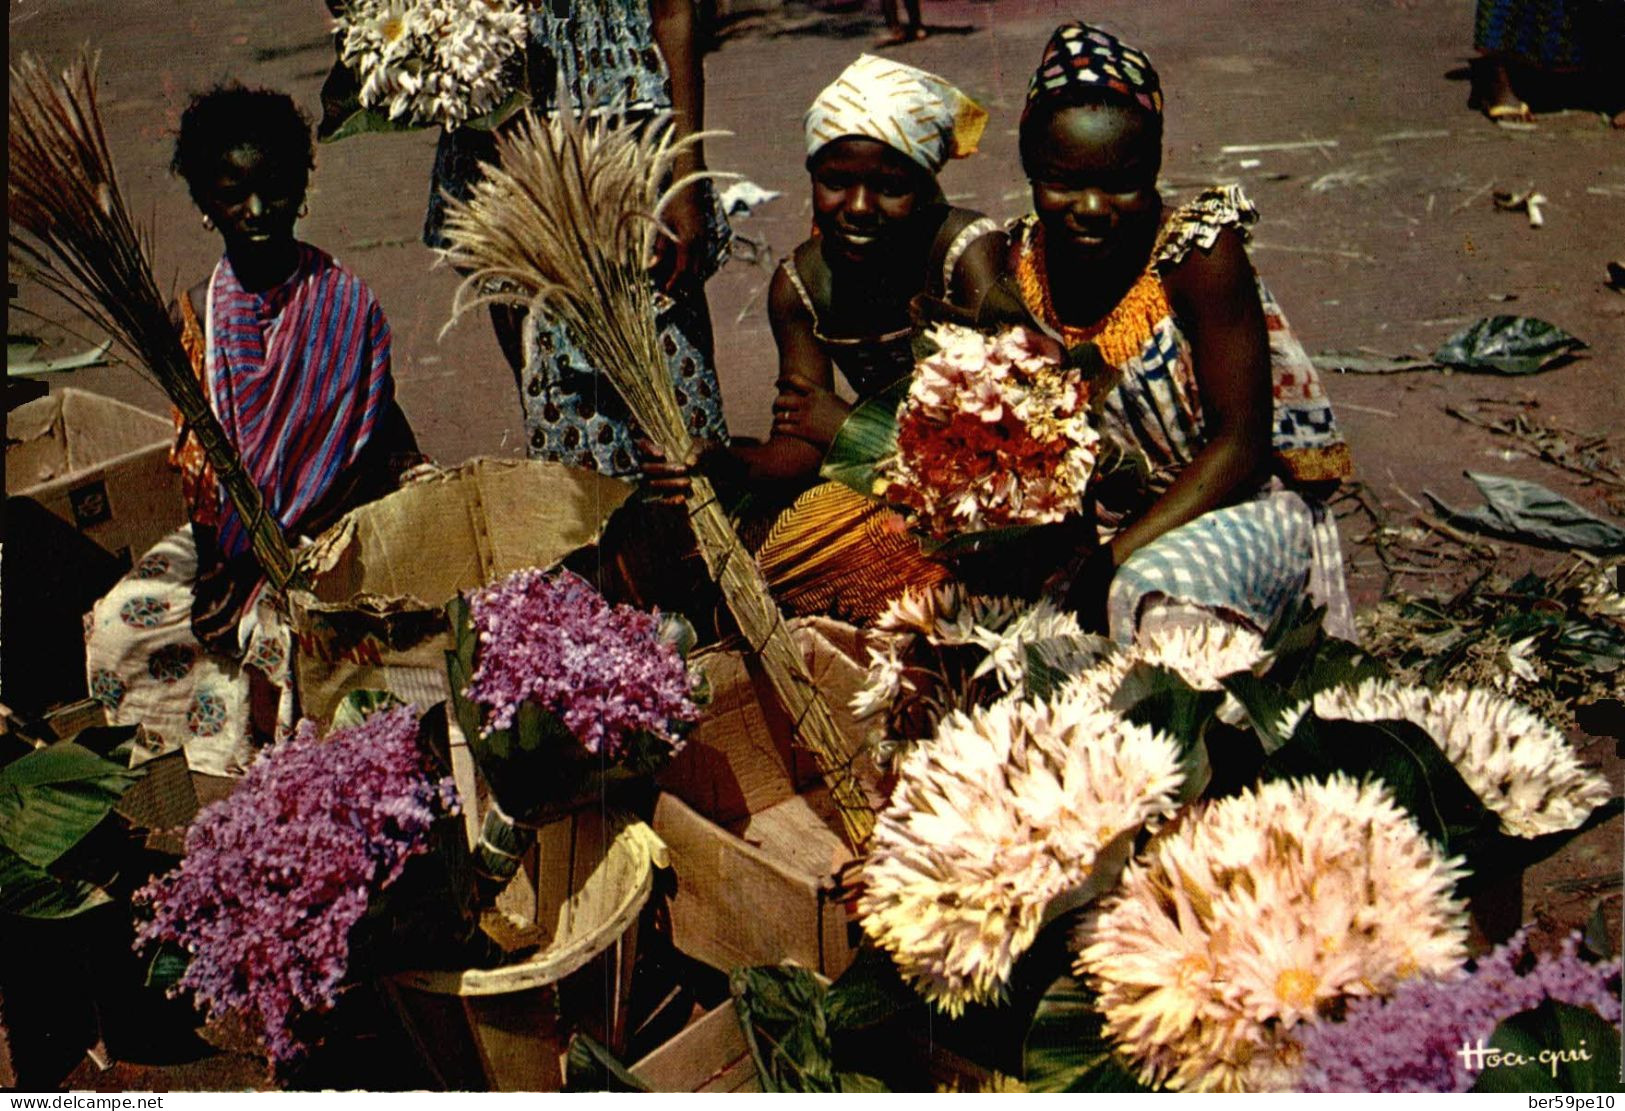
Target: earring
{"x":208,"y":224}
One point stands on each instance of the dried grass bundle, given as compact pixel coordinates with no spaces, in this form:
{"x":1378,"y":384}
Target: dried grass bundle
{"x":78,"y":241}
{"x":565,"y":225}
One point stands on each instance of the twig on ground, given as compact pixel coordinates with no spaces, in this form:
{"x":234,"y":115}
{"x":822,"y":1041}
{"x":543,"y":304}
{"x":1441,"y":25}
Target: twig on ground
{"x":1451,"y":532}
{"x":1474,"y":196}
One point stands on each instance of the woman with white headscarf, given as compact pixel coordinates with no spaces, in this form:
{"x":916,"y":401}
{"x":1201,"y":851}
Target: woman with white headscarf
{"x":883,"y":237}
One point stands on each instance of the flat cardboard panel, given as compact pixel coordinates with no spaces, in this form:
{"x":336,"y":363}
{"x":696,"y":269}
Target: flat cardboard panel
{"x":381,"y":576}
{"x":752,"y":898}
{"x":100,"y":465}
{"x":837,"y":657}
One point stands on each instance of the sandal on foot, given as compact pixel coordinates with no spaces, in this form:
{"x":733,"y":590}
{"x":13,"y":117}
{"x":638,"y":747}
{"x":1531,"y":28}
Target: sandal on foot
{"x":1508,"y":113}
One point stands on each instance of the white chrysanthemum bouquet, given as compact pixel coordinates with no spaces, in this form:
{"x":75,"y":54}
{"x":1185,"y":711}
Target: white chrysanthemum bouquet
{"x":1240,"y":834}
{"x":1259,"y":912}
{"x":1004,"y":810}
{"x":952,"y":650}
{"x":434,"y":62}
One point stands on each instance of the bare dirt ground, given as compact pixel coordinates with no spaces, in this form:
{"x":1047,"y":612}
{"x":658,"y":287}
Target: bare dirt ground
{"x":1380,"y":235}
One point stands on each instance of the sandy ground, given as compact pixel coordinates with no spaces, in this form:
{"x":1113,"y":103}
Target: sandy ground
{"x":1380,"y":235}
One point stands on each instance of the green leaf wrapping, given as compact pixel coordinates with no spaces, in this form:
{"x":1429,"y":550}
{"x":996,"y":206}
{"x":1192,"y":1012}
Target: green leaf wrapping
{"x":357,"y":120}
{"x":782,"y":1013}
{"x":169,"y":963}
{"x":591,"y":1067}
{"x":1553,"y":1048}
{"x":868,"y":993}
{"x":1156,"y":697}
{"x":460,"y":667}
{"x":359,"y":705}
{"x":1103,"y":877}
{"x":1305,"y":661}
{"x":52,"y":797}
{"x":1404,"y":757}
{"x":866,"y":439}
{"x":1066,"y":1049}
{"x":31,"y":892}
{"x":1427,"y":785}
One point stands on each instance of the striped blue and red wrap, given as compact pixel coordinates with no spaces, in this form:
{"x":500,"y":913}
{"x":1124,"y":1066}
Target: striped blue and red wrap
{"x":298,"y":375}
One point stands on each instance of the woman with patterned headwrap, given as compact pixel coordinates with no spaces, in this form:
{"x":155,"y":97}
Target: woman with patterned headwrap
{"x":883,"y":236}
{"x":1218,"y":417}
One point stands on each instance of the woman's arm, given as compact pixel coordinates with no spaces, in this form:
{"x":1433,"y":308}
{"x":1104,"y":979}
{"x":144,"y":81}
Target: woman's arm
{"x":804,"y":367}
{"x":1215,"y":295}
{"x":978,"y":271}
{"x":779,"y":458}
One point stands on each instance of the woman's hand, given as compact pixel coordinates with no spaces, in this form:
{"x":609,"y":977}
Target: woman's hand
{"x":678,"y":256}
{"x":666,"y":480}
{"x":670,"y":482}
{"x":808,"y":411}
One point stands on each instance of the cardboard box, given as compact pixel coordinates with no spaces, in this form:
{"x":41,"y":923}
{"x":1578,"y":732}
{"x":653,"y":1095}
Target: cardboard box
{"x":707,"y":1055}
{"x":762,"y":893}
{"x":374,"y":617}
{"x":837,"y":657}
{"x":98,"y":464}
{"x":738,"y":760}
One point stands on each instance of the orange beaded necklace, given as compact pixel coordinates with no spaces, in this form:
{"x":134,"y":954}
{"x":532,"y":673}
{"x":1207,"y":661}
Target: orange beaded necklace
{"x":1122,"y":333}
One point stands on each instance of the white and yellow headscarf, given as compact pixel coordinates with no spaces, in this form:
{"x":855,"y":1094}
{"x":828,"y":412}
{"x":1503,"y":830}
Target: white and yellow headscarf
{"x":908,"y":109}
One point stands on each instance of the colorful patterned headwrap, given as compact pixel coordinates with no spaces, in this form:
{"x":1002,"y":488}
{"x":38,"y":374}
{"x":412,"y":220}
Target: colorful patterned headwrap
{"x":908,"y":109}
{"x":1080,"y":56}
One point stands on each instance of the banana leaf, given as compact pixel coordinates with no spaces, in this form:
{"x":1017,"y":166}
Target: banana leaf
{"x":1425,"y":783}
{"x":1531,"y":514}
{"x":1554,"y":1047}
{"x":1508,"y":345}
{"x":354,"y":119}
{"x":784,"y":1015}
{"x":27,"y":891}
{"x":1160,"y":699}
{"x":1066,"y":1048}
{"x":51,"y":798}
{"x":866,"y":439}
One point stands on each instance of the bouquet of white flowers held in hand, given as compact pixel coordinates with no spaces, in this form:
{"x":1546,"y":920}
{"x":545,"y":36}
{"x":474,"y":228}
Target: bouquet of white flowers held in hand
{"x":429,"y":62}
{"x":994,"y":433}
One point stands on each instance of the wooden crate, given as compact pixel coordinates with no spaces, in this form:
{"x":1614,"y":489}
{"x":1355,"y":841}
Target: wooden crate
{"x":708,"y":1055}
{"x":761,"y":893}
{"x":500,"y":1029}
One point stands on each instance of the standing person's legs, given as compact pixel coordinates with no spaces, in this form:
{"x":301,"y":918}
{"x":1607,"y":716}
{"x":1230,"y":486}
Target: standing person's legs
{"x":902,"y":32}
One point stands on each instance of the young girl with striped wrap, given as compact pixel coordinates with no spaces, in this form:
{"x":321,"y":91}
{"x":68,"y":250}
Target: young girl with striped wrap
{"x":293,"y":352}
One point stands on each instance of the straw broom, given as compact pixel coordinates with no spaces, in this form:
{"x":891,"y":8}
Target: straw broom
{"x":78,"y":241}
{"x":565,"y":226}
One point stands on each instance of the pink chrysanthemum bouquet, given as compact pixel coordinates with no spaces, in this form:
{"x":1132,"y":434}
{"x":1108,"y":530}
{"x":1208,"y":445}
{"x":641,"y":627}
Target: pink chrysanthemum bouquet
{"x":994,"y":432}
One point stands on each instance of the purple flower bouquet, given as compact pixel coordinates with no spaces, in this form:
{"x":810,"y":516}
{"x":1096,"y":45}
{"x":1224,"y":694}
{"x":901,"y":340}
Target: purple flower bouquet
{"x":277,"y":874}
{"x":561,"y":696}
{"x":1431,"y":1034}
